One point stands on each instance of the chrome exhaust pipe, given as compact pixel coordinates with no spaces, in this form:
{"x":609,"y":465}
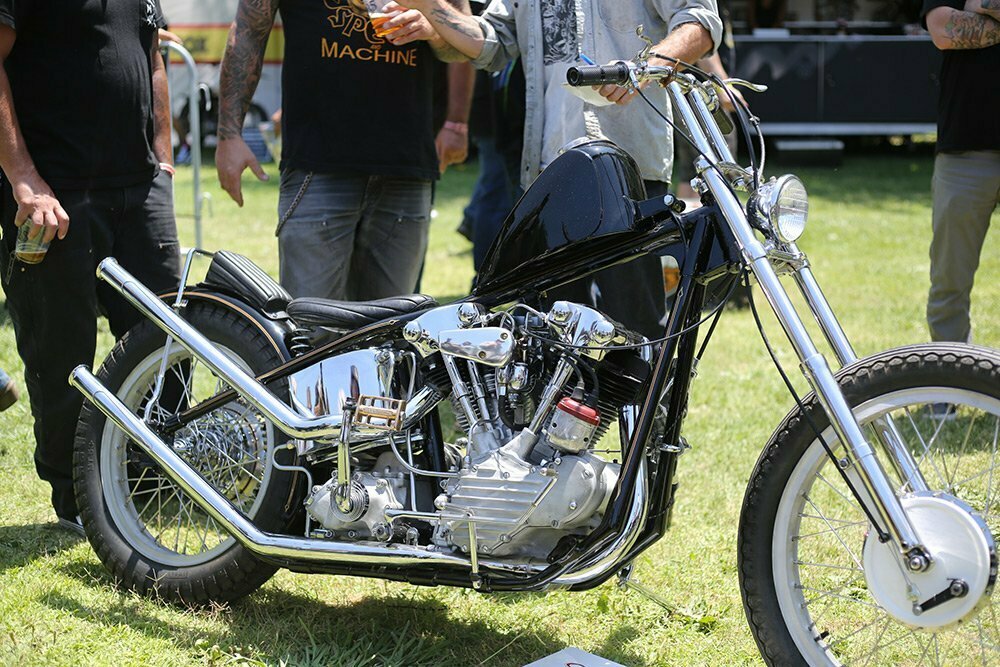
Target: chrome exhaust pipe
{"x":225,"y":513}
{"x":269,"y":545}
{"x":286,"y":419}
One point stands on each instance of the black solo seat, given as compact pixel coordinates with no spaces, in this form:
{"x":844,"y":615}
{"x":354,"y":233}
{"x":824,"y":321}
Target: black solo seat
{"x":350,"y":315}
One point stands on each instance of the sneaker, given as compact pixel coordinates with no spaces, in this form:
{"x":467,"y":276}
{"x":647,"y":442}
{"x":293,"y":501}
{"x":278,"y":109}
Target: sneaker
{"x":8,"y":391}
{"x":944,"y":412}
{"x":72,"y":523}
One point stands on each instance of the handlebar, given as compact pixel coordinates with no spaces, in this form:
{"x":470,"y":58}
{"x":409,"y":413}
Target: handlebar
{"x":598,"y":75}
{"x":696,"y":96}
{"x":620,"y":73}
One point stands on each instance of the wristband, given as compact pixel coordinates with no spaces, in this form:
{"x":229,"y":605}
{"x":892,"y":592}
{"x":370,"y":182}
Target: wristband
{"x":169,"y":168}
{"x":459,"y":128}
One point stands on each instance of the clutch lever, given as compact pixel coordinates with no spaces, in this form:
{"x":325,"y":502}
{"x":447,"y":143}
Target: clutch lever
{"x":743,"y":83}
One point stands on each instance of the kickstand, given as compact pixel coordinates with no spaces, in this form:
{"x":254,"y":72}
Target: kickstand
{"x":625,"y":580}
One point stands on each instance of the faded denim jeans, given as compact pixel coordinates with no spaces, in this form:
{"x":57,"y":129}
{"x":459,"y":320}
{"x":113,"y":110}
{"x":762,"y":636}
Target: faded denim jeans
{"x":351,"y":237}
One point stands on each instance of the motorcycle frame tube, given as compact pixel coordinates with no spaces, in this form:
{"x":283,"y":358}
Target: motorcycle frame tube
{"x":288,"y":368}
{"x":679,"y":351}
{"x":619,"y":250}
{"x":813,"y":364}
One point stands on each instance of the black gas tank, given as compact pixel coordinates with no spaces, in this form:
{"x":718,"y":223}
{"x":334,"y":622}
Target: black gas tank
{"x":567,"y":217}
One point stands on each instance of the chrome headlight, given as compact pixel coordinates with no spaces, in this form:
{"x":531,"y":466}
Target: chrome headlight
{"x":784,"y":205}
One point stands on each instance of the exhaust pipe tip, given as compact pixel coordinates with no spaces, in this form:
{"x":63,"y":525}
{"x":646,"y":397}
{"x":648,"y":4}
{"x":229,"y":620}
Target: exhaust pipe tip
{"x":104,"y":265}
{"x":80,"y":371}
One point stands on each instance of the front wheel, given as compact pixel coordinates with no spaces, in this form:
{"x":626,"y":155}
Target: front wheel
{"x":807,"y":556}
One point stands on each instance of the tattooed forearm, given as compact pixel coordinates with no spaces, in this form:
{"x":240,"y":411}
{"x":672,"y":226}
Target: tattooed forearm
{"x":971,"y":31}
{"x":242,"y":62}
{"x":445,"y":51}
{"x":458,"y":23}
{"x":990,"y":8}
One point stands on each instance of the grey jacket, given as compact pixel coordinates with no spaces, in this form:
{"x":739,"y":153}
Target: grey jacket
{"x":514,"y":27}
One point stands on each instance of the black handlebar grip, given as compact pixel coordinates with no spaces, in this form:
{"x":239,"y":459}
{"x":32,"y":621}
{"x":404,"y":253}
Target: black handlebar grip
{"x":597,"y":75}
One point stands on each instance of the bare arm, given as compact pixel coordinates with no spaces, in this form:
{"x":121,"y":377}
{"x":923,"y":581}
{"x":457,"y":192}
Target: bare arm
{"x":241,"y":67}
{"x":162,"y":147}
{"x":688,"y":42}
{"x":956,"y":29}
{"x":452,"y":142}
{"x":35,"y":199}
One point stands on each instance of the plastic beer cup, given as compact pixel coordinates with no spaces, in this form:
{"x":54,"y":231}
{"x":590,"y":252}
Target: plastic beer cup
{"x":378,"y":15}
{"x":30,"y":251}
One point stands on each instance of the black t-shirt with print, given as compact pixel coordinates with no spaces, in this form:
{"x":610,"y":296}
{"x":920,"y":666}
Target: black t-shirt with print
{"x":969,"y":104}
{"x":80,"y":77}
{"x":353,"y":102}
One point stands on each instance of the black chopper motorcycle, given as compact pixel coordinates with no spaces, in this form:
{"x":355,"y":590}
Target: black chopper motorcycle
{"x":223,"y":439}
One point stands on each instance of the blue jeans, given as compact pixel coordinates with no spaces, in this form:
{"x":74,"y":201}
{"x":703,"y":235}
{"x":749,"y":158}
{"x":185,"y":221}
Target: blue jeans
{"x":350,"y":237}
{"x":491,"y":199}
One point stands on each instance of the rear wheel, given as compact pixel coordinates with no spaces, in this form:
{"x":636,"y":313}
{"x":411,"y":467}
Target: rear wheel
{"x":147,"y":532}
{"x":817,"y":586}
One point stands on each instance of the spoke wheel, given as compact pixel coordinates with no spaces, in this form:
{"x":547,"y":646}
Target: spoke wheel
{"x":803,"y":537}
{"x":149,"y":533}
{"x":228,"y":447}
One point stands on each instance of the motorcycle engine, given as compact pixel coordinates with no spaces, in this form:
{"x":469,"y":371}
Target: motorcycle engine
{"x":523,"y":509}
{"x":534,"y":394}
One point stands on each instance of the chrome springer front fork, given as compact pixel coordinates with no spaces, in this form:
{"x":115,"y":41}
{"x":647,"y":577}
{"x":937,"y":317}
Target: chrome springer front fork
{"x":876,"y":492}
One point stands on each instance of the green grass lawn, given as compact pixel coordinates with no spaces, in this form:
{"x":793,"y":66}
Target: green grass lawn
{"x":867,"y":239}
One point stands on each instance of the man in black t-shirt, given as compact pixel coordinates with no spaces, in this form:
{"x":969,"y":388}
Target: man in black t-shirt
{"x":966,"y":184}
{"x":358,"y":154}
{"x":85,"y":153}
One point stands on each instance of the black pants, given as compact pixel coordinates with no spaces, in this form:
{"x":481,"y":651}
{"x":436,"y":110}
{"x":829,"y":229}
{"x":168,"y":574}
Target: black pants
{"x":54,"y":305}
{"x":630,"y":293}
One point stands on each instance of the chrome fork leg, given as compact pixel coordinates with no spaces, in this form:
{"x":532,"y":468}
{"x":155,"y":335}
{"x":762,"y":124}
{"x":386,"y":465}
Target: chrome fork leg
{"x":884,"y":505}
{"x":817,"y":371}
{"x":884,"y":428}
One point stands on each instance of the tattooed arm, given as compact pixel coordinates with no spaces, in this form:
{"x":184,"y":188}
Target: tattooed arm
{"x":989,"y":8}
{"x":443,"y":49}
{"x":454,"y":27}
{"x":410,"y":25}
{"x":241,"y":65}
{"x":956,"y":29}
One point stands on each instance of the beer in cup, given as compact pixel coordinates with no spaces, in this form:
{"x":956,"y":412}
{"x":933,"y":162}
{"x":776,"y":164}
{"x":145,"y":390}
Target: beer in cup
{"x":30,"y":251}
{"x":378,"y":15}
